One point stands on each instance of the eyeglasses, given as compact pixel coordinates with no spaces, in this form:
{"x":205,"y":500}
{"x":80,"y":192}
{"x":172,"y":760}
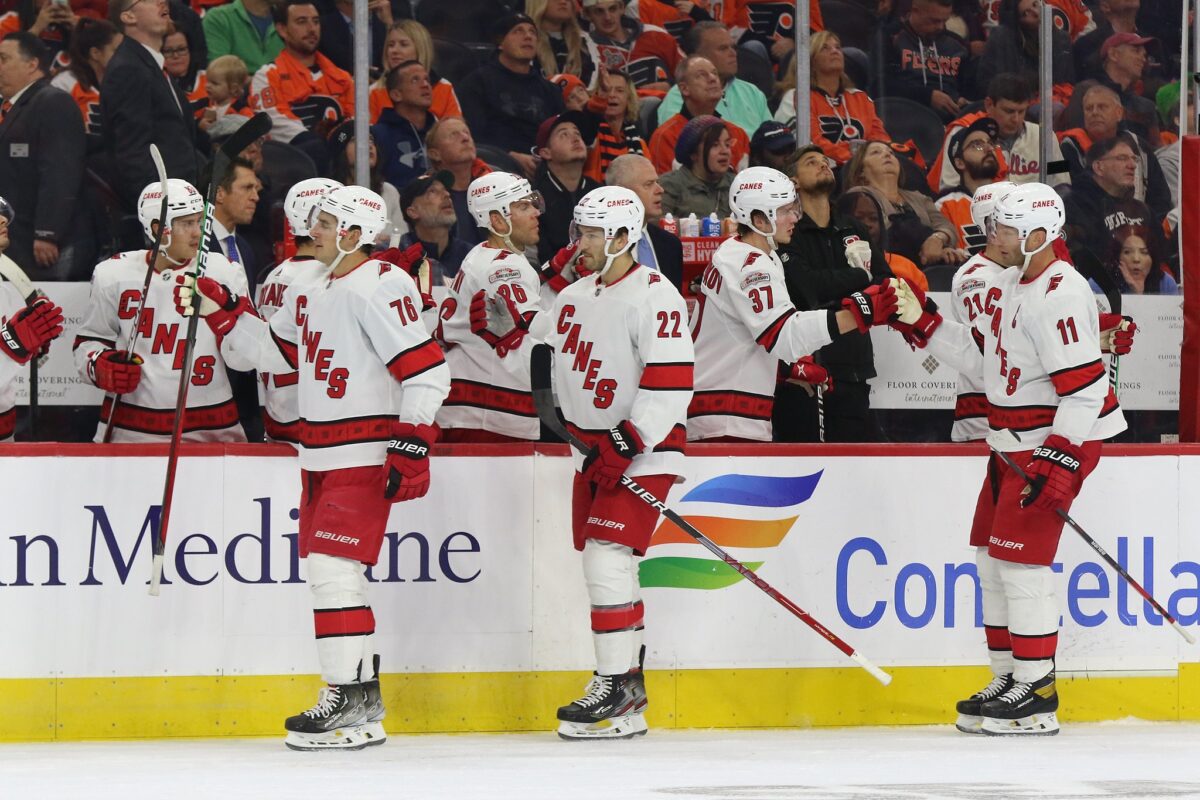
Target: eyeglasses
{"x":171,"y":52}
{"x":978,"y":144}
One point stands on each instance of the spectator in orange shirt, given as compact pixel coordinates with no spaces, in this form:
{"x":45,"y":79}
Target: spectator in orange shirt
{"x":972,"y":151}
{"x":303,"y":91}
{"x":92,"y":45}
{"x":701,"y":87}
{"x":408,"y":40}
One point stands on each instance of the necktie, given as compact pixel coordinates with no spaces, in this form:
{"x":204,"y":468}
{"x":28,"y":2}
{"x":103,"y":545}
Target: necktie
{"x":231,"y":249}
{"x":645,"y":252}
{"x":4,"y":108}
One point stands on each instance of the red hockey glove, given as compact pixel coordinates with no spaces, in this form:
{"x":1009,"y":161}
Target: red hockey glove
{"x":496,"y":320}
{"x":1116,"y":334}
{"x":608,"y":460}
{"x":412,"y":260}
{"x":564,"y":268}
{"x":871,"y":306}
{"x":219,"y":307}
{"x":114,"y":371}
{"x":1053,"y":474}
{"x":809,"y":373}
{"x":406,"y":471}
{"x":31,"y":329}
{"x":917,"y":316}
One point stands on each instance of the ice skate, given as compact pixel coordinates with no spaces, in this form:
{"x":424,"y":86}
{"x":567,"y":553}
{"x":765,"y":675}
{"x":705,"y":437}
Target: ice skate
{"x":1026,"y":709}
{"x":970,"y":718}
{"x":638,"y":682}
{"x":373,"y":709}
{"x":337,"y":722}
{"x":609,"y":709}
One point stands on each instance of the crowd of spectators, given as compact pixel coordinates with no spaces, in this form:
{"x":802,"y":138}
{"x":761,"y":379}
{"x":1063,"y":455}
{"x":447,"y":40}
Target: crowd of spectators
{"x":560,"y":90}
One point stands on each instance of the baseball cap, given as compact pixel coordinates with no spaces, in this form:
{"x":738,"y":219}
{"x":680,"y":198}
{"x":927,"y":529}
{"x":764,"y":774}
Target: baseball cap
{"x":774,"y":137}
{"x":985,"y":124}
{"x":417,"y":188}
{"x":1118,"y":39}
{"x":341,"y":134}
{"x":584,"y":122}
{"x":505,"y":24}
{"x":568,"y":83}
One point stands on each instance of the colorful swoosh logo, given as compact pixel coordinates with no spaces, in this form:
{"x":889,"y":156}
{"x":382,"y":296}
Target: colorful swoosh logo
{"x":734,"y":491}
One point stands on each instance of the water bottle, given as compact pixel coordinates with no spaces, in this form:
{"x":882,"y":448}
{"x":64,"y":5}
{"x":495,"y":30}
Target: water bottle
{"x":689,"y":227}
{"x":668,"y":224}
{"x":711,"y":226}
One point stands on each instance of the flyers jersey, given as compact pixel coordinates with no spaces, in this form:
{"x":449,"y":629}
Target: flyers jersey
{"x":488,"y":392}
{"x":87,"y":100}
{"x":363,"y":357}
{"x":298,"y":98}
{"x":973,"y":301}
{"x":622,"y":352}
{"x":1040,"y":362}
{"x":147,"y":414}
{"x":277,"y":391}
{"x":744,"y":327}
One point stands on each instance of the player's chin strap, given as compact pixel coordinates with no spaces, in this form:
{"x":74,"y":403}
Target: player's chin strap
{"x":165,"y":245}
{"x":341,"y":254}
{"x":610,"y":257}
{"x":770,"y":235}
{"x":1028,"y":254}
{"x":504,"y":237}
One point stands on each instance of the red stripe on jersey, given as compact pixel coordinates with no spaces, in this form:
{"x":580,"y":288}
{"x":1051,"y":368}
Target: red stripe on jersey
{"x":284,"y":380}
{"x":1034,"y":648}
{"x":971,"y":405}
{"x":291,"y":353}
{"x":1110,"y":404}
{"x":282,"y":431}
{"x":356,"y":621}
{"x":978,"y":337}
{"x":770,"y":336}
{"x":997,"y":637}
{"x":664,"y":377}
{"x":492,"y":398}
{"x":415,"y":360}
{"x":337,"y":432}
{"x":1073,"y":379}
{"x":732,"y":404}
{"x":84,"y":339}
{"x":161,"y":421}
{"x":1021,"y":418}
{"x":8,"y":423}
{"x":610,"y":619}
{"x":675,"y":441}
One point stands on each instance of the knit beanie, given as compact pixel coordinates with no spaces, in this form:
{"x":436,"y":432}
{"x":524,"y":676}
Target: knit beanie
{"x":689,"y":137}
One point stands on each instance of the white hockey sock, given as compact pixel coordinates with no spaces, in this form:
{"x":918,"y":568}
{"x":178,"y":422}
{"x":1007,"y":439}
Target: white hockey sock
{"x":610,"y":573}
{"x":342,"y":619}
{"x":1032,"y":618}
{"x":995,"y":612}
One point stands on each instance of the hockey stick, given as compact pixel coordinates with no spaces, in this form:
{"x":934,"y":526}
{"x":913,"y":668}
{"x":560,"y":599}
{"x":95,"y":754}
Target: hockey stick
{"x":1002,"y":440}
{"x":161,"y":169}
{"x":258,"y":126}
{"x":543,"y":400}
{"x":821,"y":412}
{"x":1089,"y":266}
{"x":13,"y":273}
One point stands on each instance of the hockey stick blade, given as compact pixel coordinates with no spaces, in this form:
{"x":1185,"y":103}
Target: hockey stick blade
{"x":541,"y":367}
{"x":999,"y":437}
{"x":255,"y":128}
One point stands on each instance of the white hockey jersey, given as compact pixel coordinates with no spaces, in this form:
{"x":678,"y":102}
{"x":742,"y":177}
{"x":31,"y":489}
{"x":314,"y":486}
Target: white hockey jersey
{"x":147,"y":414}
{"x":277,"y":390}
{"x":364,"y":358}
{"x":744,"y":326}
{"x":1039,"y":358}
{"x":488,"y":392}
{"x":622,"y":352}
{"x":973,"y":301}
{"x":10,"y":303}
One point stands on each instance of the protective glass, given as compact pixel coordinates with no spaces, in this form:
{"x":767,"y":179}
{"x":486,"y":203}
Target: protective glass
{"x":6,"y":210}
{"x":534,"y":199}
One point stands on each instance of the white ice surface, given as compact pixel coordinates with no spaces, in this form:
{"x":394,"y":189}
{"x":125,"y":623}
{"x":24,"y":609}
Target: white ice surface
{"x":1128,"y":760}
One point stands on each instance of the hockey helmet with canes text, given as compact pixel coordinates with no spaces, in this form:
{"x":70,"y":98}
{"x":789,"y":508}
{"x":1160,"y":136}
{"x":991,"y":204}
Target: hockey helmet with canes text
{"x":6,"y":210}
{"x":497,"y":191}
{"x":983,"y":202}
{"x":182,"y":200}
{"x":761,"y":189}
{"x":1028,"y":208}
{"x":352,"y":207}
{"x":612,"y":209}
{"x":300,"y":201}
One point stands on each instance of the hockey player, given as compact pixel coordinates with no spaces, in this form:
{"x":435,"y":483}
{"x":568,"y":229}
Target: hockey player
{"x":24,"y":331}
{"x":490,"y":399}
{"x":1039,"y":359}
{"x":745,"y":325}
{"x":624,"y":378}
{"x":370,"y":380}
{"x":281,"y":414}
{"x":148,"y":380}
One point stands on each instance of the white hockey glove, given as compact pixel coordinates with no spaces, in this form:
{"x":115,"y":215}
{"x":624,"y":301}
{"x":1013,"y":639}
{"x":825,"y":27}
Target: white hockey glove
{"x":858,"y":253}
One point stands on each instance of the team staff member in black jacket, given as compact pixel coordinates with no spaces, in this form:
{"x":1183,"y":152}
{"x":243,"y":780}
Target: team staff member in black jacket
{"x":828,"y":258}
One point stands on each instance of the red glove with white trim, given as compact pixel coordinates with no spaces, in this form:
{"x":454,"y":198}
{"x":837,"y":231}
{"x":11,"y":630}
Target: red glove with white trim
{"x":31,"y":329}
{"x":608,"y":460}
{"x":406,"y":471}
{"x":917,"y":316}
{"x":563,"y":268}
{"x":114,"y":371}
{"x":809,"y":373}
{"x":413,"y":261}
{"x":496,"y":320}
{"x":1053,"y":473}
{"x":219,"y":307}
{"x":872,"y":306}
{"x":1116,"y":334}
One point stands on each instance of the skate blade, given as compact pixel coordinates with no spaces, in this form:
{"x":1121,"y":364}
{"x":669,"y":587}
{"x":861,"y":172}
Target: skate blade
{"x":969,"y":723}
{"x":617,"y":728}
{"x":1033,"y":725}
{"x":355,"y":738}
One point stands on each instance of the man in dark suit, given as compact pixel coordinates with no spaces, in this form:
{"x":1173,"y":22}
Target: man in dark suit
{"x":42,"y":146}
{"x":141,"y":106}
{"x":657,"y":248}
{"x":337,"y":33}
{"x":234,"y":204}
